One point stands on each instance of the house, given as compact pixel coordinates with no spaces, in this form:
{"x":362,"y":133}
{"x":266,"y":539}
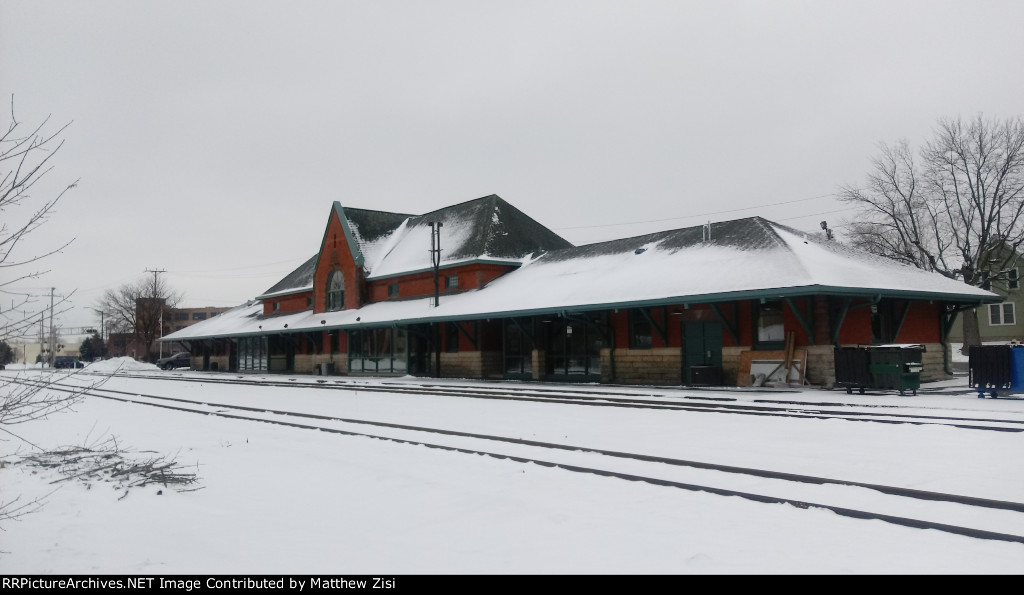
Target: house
{"x":999,"y":322}
{"x":699,"y":305}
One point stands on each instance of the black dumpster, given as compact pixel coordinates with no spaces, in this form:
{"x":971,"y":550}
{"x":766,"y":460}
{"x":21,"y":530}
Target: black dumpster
{"x":990,"y":368}
{"x":887,"y":367}
{"x":852,"y":369}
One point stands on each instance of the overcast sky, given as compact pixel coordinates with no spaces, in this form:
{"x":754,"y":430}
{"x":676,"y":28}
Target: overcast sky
{"x":210,"y":138}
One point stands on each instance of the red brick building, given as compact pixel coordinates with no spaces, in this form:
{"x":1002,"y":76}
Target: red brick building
{"x":707,"y":304}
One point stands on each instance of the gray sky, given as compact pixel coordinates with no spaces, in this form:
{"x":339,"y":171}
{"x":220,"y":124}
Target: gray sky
{"x":212,"y":137}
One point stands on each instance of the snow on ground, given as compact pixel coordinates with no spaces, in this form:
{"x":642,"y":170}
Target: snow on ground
{"x":287,"y":500}
{"x":120,"y":364}
{"x":17,"y":366}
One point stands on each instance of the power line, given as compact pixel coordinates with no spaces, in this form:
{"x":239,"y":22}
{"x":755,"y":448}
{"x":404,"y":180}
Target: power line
{"x":818,"y":214}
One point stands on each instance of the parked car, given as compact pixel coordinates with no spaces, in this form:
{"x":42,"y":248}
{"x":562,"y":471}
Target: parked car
{"x":67,"y":361}
{"x":182,"y":359}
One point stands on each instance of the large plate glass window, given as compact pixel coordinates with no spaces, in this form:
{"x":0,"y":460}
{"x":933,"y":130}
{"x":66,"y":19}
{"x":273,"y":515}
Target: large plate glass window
{"x":377,"y":351}
{"x":518,"y":348}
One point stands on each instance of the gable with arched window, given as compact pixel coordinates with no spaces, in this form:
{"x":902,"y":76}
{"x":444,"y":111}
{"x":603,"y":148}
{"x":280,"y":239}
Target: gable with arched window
{"x":336,"y":291}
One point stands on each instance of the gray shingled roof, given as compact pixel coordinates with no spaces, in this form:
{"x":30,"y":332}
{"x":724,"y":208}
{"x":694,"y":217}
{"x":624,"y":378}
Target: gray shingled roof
{"x":505,"y":231}
{"x":484,"y":229}
{"x":301,"y":279}
{"x":752,"y":233}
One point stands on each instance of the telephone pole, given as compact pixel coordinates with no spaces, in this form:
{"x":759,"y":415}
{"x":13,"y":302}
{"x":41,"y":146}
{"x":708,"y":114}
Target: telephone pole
{"x":42,"y":336}
{"x":161,"y":320}
{"x":53,"y":336}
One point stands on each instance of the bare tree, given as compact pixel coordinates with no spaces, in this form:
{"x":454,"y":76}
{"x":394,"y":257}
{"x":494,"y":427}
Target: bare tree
{"x":956,"y":208}
{"x":140,"y":307}
{"x":26,"y":154}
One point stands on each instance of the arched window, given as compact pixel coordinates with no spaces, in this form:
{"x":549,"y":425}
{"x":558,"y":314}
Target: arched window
{"x":336,"y":291}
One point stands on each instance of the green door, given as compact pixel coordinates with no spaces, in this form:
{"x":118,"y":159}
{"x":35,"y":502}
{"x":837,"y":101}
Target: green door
{"x":702,"y":349}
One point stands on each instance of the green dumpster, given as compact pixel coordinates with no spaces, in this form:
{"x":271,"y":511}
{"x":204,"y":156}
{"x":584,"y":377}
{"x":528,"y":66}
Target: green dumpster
{"x":896,"y":367}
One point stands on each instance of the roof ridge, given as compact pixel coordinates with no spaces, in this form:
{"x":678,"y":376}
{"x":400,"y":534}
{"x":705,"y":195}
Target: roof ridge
{"x":673,"y":230}
{"x":459,"y":204}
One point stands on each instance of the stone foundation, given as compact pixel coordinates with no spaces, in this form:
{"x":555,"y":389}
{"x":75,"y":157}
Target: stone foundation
{"x":222,"y":362}
{"x":303,"y":364}
{"x":821,"y":365}
{"x":461,"y":364}
{"x":644,"y":366}
{"x":538,"y":364}
{"x":731,"y":364}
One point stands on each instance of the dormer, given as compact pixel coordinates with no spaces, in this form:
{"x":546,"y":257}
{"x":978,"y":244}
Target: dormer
{"x":339,"y":277}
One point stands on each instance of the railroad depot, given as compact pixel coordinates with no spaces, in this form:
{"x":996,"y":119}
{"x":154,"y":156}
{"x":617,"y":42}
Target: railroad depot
{"x":481,"y":290}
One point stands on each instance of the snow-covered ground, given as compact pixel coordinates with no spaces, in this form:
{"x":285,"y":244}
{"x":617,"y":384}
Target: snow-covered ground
{"x":277,"y":499}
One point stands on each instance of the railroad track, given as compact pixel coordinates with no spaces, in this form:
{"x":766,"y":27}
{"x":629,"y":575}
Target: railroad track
{"x":973,"y":517}
{"x":606,"y":398}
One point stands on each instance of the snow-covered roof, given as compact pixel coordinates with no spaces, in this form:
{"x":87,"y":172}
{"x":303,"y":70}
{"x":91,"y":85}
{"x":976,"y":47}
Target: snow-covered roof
{"x":487,"y":229}
{"x":744,"y":259}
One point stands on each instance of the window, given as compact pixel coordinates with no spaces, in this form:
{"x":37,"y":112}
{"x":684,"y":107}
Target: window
{"x":518,"y":348}
{"x":1001,"y":314}
{"x":377,"y":350}
{"x":451,"y":338}
{"x":451,"y":282}
{"x":277,"y":306}
{"x":309,"y":301}
{"x":393,"y":290}
{"x":1012,"y":281}
{"x":199,"y":316}
{"x":639,"y":331}
{"x":181,"y":315}
{"x":770,"y":329}
{"x":336,"y":291}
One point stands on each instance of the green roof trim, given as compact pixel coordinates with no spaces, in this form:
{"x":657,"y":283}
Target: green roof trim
{"x":772,"y":293}
{"x":510,"y":262}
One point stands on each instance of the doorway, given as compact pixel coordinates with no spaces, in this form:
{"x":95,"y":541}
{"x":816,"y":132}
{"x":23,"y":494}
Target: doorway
{"x":702,"y":353}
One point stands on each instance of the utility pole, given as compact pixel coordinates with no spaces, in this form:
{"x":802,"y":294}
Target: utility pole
{"x":53,"y":336}
{"x":42,"y":334}
{"x":161,"y":320}
{"x":435,"y":259}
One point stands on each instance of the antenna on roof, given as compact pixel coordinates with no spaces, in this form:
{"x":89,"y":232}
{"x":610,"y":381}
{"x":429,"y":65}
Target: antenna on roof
{"x":706,"y":231}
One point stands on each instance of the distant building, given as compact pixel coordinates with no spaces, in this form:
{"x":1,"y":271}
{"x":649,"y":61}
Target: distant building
{"x":174,"y":320}
{"x":699,"y":305}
